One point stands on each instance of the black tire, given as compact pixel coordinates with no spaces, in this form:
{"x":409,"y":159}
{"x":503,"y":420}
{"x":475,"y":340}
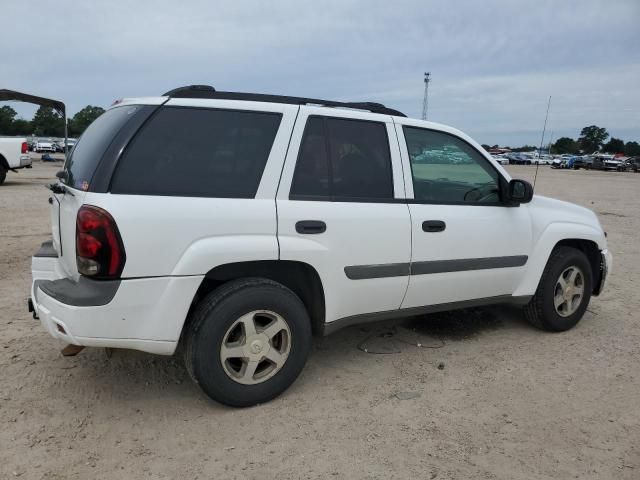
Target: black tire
{"x":210,"y":322}
{"x":3,"y":175}
{"x":540,"y":311}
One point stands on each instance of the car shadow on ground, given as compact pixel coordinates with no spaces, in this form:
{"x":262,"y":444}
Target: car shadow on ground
{"x":132,"y":375}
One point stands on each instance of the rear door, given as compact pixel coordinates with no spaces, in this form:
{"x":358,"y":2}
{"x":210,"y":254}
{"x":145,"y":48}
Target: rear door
{"x":340,"y":209}
{"x":202,"y":175}
{"x":467,"y":243}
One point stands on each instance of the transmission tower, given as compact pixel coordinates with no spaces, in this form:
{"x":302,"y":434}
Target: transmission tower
{"x":425,"y":100}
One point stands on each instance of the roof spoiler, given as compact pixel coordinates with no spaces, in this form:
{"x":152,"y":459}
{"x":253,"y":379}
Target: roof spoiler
{"x":57,"y":105}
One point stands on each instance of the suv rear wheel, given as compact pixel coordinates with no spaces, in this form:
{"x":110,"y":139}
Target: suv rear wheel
{"x":3,"y":175}
{"x":248,"y":341}
{"x":564,"y":291}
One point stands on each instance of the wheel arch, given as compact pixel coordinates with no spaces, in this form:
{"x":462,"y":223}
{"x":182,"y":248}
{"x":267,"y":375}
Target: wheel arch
{"x":592,"y":252}
{"x":582,"y":237}
{"x":299,"y":277}
{"x":3,"y":163}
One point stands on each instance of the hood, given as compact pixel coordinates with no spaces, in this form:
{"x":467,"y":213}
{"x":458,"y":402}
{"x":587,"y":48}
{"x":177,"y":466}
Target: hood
{"x":546,"y":211}
{"x":565,"y":211}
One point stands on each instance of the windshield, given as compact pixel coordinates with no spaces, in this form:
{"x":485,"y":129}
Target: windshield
{"x":88,"y":151}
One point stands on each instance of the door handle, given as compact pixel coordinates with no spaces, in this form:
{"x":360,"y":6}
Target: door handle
{"x":433,"y":226}
{"x":310,"y":227}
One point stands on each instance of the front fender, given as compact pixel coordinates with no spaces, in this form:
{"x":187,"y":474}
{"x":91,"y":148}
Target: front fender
{"x":549,"y":238}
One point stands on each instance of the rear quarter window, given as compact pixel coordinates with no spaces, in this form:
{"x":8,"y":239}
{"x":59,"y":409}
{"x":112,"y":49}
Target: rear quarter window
{"x":93,"y":143}
{"x":184,"y":151}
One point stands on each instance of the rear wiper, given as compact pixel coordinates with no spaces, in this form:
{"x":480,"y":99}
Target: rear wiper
{"x":59,"y":188}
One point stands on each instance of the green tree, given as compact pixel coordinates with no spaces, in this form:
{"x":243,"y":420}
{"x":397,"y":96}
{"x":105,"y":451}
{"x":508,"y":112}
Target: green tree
{"x":614,"y":145}
{"x":7,"y":117}
{"x":22,"y":127}
{"x":632,"y":149}
{"x":47,"y":121}
{"x":565,"y":145}
{"x":485,"y":146}
{"x":524,"y":148}
{"x":592,"y":138}
{"x":84,"y":118}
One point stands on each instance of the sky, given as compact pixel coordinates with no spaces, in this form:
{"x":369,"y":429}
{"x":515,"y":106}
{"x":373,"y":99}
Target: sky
{"x":494,"y":64}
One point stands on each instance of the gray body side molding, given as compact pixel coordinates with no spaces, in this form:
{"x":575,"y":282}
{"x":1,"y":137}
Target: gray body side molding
{"x":362,"y":272}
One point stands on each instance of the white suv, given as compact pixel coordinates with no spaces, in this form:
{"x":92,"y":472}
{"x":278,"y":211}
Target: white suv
{"x":238,"y":225}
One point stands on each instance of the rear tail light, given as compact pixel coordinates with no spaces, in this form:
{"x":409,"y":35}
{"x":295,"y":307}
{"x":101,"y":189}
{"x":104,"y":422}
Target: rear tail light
{"x":99,"y":250}
{"x":24,"y":148}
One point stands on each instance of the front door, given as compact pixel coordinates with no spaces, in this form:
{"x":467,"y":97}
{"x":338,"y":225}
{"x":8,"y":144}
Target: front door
{"x":467,"y":244}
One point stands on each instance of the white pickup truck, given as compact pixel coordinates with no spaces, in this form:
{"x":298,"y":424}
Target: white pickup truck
{"x":14,"y":154}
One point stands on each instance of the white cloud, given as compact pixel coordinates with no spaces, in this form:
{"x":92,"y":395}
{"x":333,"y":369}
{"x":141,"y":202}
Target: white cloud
{"x":494,"y":63}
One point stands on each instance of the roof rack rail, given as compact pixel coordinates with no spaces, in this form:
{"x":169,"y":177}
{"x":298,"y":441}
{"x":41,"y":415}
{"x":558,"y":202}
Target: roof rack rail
{"x":207,"y":91}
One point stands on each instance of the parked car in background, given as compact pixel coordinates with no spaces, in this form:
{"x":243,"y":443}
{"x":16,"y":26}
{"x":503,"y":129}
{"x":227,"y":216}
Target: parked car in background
{"x":59,"y":146}
{"x":559,"y":163}
{"x":603,"y":162}
{"x":633,"y":163}
{"x":543,"y":160}
{"x":14,"y":154}
{"x":45,"y":146}
{"x":500,"y":159}
{"x":581,"y":162}
{"x":520,"y":158}
{"x":237,"y":225}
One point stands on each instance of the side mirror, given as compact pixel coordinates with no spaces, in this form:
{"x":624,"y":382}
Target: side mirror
{"x":519,"y":191}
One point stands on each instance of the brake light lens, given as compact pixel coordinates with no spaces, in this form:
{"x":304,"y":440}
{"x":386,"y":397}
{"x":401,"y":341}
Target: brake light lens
{"x":99,"y":249}
{"x":24,"y":148}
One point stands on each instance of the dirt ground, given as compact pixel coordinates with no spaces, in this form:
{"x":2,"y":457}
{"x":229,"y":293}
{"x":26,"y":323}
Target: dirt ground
{"x":484,"y":396}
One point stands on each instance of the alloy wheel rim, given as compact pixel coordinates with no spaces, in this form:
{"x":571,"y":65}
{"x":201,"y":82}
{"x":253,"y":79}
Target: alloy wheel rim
{"x":255,"y":347}
{"x":569,"y":291}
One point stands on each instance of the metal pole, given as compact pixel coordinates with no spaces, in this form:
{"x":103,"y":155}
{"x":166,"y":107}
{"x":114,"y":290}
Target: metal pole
{"x":64,"y":115}
{"x":425,"y":100}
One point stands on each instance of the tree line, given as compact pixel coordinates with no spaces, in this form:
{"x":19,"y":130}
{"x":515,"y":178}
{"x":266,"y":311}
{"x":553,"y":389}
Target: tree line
{"x":47,"y":122}
{"x":592,"y":139}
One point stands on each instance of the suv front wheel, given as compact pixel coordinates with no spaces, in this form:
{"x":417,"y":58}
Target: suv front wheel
{"x":564,"y":291}
{"x":247,"y":342}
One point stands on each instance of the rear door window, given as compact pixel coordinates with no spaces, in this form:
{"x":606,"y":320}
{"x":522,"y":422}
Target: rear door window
{"x":93,"y":143}
{"x":343,"y":160}
{"x":186,"y":151}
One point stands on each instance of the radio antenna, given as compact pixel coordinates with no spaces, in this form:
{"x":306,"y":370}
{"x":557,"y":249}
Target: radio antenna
{"x":544,"y":129}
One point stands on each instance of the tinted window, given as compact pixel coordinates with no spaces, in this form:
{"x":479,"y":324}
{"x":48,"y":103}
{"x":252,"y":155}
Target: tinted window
{"x":312,"y":168}
{"x":357,"y":164}
{"x":89,"y":149}
{"x":198,"y":152}
{"x":447,"y":169}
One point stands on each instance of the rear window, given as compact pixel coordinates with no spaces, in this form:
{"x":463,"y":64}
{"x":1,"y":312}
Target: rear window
{"x":88,"y":151}
{"x":185,"y":151}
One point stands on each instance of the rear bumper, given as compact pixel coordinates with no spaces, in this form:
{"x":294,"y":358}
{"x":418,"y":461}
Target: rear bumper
{"x":25,"y":161}
{"x":142,"y":314}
